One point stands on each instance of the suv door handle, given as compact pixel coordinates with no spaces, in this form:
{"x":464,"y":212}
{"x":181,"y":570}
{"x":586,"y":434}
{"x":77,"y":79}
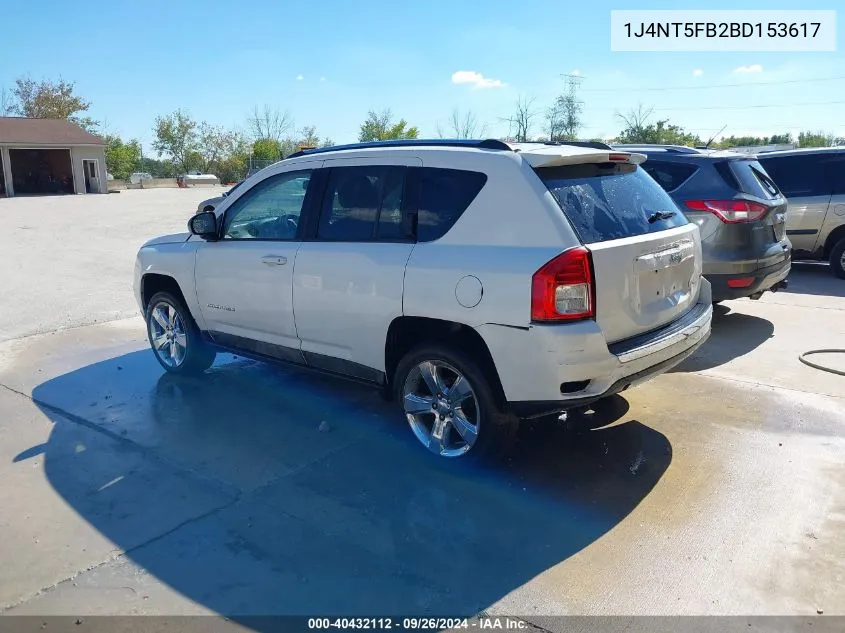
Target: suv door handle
{"x":274,"y":260}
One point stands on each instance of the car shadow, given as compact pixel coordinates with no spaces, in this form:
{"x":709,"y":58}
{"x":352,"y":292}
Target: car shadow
{"x":258,"y":491}
{"x":733,"y":334}
{"x":814,"y":278}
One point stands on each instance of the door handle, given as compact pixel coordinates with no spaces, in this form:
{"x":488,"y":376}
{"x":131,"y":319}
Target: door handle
{"x":274,"y":260}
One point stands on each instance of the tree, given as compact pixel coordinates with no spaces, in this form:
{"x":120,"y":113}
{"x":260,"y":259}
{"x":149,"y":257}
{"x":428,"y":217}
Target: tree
{"x":269,"y":122}
{"x":639,"y":130}
{"x":265,"y":149}
{"x":781,"y":139}
{"x":176,"y":137}
{"x":214,"y":145}
{"x":122,"y":158}
{"x":464,"y":125}
{"x":380,"y":127}
{"x":818,"y":139}
{"x":7,"y":102}
{"x":157,"y":168}
{"x":521,"y":121}
{"x":46,"y":99}
{"x":744,"y":141}
{"x":563,"y":118}
{"x":308,"y":137}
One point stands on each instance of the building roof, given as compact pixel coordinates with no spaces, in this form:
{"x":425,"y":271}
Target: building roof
{"x":20,"y":130}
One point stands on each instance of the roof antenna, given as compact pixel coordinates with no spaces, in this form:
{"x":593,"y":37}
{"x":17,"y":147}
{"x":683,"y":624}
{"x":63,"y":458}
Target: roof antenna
{"x":714,"y":136}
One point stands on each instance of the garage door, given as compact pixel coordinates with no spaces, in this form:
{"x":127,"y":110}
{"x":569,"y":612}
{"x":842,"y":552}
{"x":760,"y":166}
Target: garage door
{"x":41,"y":171}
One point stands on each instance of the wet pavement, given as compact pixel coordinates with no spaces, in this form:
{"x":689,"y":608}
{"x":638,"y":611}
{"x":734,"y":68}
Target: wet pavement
{"x":718,"y":488}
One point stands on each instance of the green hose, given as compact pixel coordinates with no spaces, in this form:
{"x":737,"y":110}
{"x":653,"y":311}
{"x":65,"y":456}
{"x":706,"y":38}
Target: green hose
{"x":821,"y":367}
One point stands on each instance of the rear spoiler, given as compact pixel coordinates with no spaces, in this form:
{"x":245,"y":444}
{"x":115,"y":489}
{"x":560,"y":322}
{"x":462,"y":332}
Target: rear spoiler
{"x":552,"y":159}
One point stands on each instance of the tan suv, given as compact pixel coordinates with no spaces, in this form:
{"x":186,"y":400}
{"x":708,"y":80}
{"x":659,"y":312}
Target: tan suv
{"x":813,"y":180}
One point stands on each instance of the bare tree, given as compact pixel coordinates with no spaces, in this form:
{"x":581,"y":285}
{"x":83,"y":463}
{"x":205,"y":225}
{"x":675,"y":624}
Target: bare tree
{"x":522,"y":119}
{"x":563,"y":118}
{"x":636,"y":121}
{"x":7,"y":102}
{"x":269,"y":122}
{"x":462,"y":125}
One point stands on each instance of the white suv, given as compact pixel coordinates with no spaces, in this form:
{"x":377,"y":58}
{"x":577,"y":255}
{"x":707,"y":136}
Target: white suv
{"x":477,"y":282}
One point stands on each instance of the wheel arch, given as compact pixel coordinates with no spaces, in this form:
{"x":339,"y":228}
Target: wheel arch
{"x":152,"y":283}
{"x":407,"y":332}
{"x":833,"y":239}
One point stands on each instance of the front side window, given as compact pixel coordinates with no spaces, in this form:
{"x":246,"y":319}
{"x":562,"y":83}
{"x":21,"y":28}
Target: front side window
{"x":270,"y":210}
{"x":363,"y":204}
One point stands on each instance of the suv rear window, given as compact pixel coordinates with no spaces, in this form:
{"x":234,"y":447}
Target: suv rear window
{"x":608,"y":201}
{"x":751,"y":178}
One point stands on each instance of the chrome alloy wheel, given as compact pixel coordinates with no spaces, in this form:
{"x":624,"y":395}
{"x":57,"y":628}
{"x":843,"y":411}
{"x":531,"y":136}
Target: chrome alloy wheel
{"x":441,"y":408}
{"x":167,"y":334}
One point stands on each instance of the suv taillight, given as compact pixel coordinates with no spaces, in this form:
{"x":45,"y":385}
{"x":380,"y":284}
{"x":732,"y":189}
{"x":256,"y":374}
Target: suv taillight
{"x":562,"y":290}
{"x":730,"y":211}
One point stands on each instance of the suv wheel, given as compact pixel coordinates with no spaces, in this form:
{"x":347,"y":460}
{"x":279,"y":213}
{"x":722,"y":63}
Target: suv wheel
{"x":175,"y":338}
{"x":449,"y":403}
{"x":837,"y":259}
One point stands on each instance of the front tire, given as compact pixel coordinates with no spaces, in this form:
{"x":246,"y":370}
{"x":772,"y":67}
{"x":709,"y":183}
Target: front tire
{"x":175,"y":338}
{"x":837,"y":259}
{"x":449,"y":404}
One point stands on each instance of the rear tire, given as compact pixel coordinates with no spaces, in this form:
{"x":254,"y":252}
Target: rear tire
{"x":837,"y":259}
{"x":450,"y":420}
{"x":175,"y":338}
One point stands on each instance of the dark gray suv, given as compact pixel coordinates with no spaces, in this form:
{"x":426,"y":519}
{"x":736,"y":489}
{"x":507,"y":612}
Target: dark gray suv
{"x":739,"y":210}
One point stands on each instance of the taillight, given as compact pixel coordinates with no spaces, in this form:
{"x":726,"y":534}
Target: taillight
{"x":730,"y":211}
{"x":563,"y":290}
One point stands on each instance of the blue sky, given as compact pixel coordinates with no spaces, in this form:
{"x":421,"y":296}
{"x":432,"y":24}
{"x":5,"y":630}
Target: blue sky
{"x":329,"y":62}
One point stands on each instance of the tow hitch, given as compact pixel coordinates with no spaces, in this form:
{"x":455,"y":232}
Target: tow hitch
{"x":781,"y":285}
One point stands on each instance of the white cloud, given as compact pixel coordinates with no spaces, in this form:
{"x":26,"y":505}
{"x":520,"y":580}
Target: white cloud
{"x":322,"y":78}
{"x":300,"y":77}
{"x":744,"y":70}
{"x":576,"y":73}
{"x":476,"y":80}
{"x":697,"y":72}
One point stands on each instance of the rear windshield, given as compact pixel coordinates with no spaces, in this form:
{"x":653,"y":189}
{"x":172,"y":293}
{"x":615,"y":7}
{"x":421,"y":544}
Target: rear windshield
{"x":607,"y":201}
{"x":750,"y":177}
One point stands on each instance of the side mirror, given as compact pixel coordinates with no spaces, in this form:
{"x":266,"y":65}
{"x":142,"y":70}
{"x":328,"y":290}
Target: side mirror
{"x":204,"y":224}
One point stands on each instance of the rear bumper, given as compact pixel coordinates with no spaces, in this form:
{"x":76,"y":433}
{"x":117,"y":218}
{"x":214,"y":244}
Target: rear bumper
{"x":763,"y":279}
{"x":544,"y":369}
{"x":533,"y":409}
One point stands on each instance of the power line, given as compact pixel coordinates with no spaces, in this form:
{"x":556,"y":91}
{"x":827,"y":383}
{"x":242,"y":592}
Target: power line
{"x":753,"y":107}
{"x":740,"y":107}
{"x":708,"y":87}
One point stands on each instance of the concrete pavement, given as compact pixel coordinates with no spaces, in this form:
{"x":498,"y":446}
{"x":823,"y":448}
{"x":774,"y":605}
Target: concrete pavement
{"x":718,"y":488}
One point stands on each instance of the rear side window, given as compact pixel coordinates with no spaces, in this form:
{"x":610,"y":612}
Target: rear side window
{"x":670,"y":176}
{"x":751,"y":178}
{"x":444,"y":194}
{"x":362,"y":204}
{"x":608,"y":201}
{"x":799,"y":175}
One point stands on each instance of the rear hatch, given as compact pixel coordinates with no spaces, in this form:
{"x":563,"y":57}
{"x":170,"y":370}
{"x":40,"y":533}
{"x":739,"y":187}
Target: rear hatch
{"x":766,"y":232}
{"x":646,"y":255}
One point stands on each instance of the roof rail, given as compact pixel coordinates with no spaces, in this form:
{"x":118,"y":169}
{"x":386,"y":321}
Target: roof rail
{"x":677,"y":149}
{"x":489,"y":143}
{"x":593,"y":144}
